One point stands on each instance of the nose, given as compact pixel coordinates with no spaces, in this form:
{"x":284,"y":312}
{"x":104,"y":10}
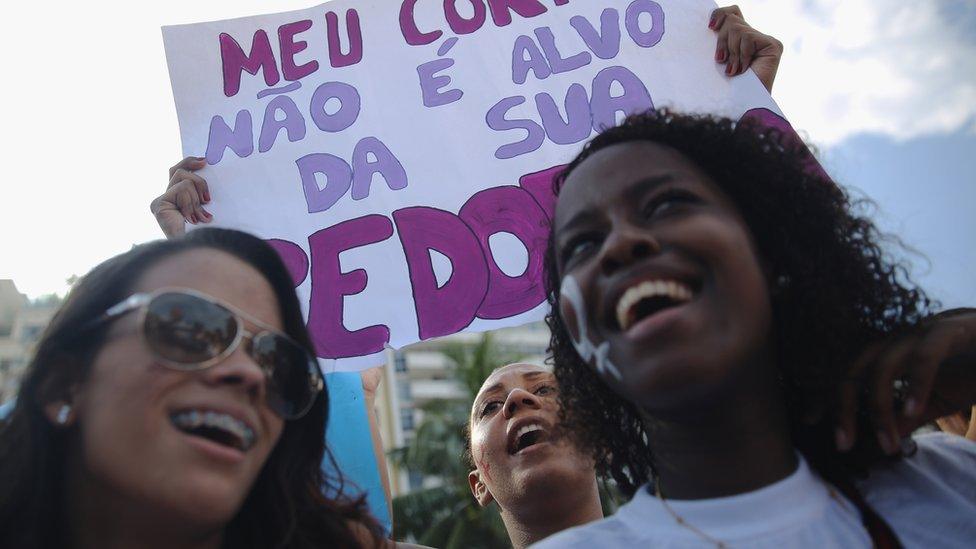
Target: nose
{"x":239,"y":371}
{"x":624,"y":245}
{"x":520,"y":397}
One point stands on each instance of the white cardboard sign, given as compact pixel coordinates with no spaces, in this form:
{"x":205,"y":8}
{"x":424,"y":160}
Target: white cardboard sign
{"x":399,"y":153}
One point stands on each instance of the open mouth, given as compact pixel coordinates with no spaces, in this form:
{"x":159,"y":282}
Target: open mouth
{"x":649,"y":298}
{"x":526,"y":436}
{"x":216,"y":427}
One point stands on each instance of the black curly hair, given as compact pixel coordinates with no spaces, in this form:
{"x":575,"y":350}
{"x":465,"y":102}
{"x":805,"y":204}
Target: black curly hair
{"x":841,"y":291}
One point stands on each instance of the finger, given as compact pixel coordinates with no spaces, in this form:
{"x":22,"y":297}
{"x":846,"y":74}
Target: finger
{"x":199,"y":182}
{"x":846,"y":413}
{"x":719,"y":16}
{"x":725,"y":26}
{"x":747,"y":50}
{"x":202,"y":215}
{"x":941,"y":342}
{"x":891,"y":364}
{"x":188,"y":163}
{"x":733,"y":43}
{"x":186,"y":202}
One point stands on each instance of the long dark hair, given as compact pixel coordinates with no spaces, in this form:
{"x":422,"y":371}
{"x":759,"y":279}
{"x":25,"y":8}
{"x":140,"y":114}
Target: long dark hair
{"x":838,"y":291}
{"x":285,"y":508}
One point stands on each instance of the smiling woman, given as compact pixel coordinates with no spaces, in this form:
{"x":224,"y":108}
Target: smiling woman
{"x":718,"y":314}
{"x":174,"y":402}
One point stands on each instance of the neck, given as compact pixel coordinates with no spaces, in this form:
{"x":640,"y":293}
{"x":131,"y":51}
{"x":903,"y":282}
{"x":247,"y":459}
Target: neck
{"x":735,"y":444}
{"x":98,"y":517}
{"x":574,"y":505}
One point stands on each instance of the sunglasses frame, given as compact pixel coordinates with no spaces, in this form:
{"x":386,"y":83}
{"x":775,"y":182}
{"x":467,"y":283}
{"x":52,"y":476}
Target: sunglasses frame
{"x":142,"y":300}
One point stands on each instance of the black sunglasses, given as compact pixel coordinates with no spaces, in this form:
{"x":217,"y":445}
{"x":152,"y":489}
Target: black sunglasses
{"x":188,"y":330}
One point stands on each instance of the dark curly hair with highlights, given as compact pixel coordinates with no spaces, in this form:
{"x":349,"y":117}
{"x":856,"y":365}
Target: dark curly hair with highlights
{"x":839,"y":290}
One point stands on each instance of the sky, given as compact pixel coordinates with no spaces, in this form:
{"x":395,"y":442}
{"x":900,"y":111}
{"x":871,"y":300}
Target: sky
{"x":885,"y":90}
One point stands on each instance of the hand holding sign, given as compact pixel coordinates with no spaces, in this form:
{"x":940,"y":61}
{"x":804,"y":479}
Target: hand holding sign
{"x":415,"y":204}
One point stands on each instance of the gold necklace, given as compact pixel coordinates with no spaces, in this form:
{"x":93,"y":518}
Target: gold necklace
{"x":681,"y":521}
{"x":719,"y":543}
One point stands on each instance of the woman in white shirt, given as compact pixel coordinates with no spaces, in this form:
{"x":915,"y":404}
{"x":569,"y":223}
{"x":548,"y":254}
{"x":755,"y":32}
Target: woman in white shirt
{"x":711,"y":297}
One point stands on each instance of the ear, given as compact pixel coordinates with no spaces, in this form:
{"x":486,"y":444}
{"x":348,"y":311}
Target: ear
{"x":479,"y":489}
{"x":60,"y":413}
{"x":60,"y":401}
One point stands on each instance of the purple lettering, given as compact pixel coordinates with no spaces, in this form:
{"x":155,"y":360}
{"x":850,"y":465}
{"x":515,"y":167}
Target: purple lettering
{"x":338,"y":176}
{"x":512,"y":210}
{"x":234,"y":61}
{"x":289,"y":47}
{"x":330,"y":285}
{"x":634,"y":11}
{"x":576,"y":127}
{"x":385,"y":164}
{"x":293,"y":122}
{"x":501,"y":10}
{"x":604,"y":106}
{"x":606,"y":43}
{"x":408,"y":26}
{"x":496,"y":120}
{"x":431,"y":83}
{"x":541,"y":185}
{"x":451,"y":307}
{"x":354,"y":32}
{"x":459,"y":24}
{"x":557,"y":63}
{"x":240,"y":139}
{"x":525,"y":57}
{"x":345,"y":116}
{"x":294,"y":258}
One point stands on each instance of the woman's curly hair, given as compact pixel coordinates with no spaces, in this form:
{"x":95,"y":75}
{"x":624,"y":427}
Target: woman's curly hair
{"x":837,"y":290}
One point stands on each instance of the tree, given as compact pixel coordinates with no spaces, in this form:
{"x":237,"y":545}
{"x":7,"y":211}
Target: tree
{"x":447,"y":515}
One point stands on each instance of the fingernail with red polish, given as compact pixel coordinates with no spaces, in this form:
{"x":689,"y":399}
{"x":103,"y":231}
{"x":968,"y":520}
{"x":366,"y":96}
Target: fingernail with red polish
{"x":728,"y":69}
{"x":720,"y":55}
{"x":711,"y":23}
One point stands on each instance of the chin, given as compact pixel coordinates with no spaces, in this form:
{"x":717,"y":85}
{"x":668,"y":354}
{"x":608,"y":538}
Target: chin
{"x":208,"y":502}
{"x":565,"y":469}
{"x":675,"y":384}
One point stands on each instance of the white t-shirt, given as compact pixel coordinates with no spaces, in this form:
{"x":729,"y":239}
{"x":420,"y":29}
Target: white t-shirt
{"x":929,"y":500}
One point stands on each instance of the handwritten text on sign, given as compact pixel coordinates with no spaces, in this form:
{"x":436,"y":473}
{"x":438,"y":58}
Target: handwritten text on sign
{"x":399,"y":155}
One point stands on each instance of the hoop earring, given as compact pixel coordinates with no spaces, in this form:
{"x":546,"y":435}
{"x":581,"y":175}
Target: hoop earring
{"x":64,"y":412}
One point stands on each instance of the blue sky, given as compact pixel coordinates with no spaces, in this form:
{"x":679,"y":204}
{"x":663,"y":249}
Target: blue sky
{"x":925,"y":189}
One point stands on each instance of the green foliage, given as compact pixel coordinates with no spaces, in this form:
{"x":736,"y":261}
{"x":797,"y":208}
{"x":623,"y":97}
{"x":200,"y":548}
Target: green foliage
{"x":447,"y":516}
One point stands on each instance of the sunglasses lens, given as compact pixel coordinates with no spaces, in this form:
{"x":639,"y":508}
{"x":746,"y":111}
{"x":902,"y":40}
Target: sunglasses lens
{"x":292,"y":374}
{"x":188,"y":330}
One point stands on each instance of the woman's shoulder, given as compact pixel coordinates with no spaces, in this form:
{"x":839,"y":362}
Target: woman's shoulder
{"x":929,"y":496}
{"x":937,"y":461}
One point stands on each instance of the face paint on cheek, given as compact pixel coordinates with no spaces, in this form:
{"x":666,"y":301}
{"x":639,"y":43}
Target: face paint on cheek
{"x":573,"y":311}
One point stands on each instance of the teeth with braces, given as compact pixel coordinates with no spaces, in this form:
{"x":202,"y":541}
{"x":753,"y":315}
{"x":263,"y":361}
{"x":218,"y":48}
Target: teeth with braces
{"x":194,"y":419}
{"x":677,"y":291}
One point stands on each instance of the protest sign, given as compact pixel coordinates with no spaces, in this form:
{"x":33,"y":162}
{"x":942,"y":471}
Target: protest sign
{"x":399,"y":154}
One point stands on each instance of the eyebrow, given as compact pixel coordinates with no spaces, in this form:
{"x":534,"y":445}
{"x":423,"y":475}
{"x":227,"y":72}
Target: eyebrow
{"x":636,"y":190}
{"x":529,"y":376}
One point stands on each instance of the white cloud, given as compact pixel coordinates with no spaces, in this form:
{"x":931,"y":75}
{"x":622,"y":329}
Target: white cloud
{"x":899,"y":68}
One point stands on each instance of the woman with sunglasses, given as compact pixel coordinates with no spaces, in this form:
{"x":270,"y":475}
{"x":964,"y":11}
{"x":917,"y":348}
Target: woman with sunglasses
{"x":173,"y":402}
{"x":718,"y":313}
